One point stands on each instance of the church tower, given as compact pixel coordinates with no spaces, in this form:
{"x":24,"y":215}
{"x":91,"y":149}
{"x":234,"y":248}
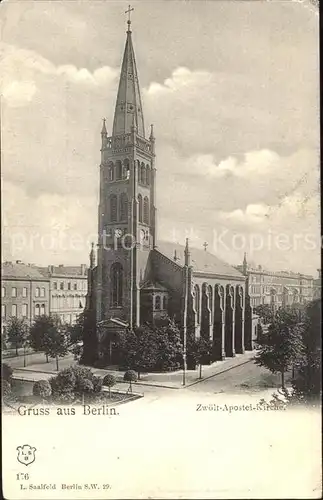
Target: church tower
{"x":127,"y":213}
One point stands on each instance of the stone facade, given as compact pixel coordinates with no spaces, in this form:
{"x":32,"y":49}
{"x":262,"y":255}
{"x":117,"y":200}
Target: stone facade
{"x":277,"y":288}
{"x":137,"y":277}
{"x":67,"y":290}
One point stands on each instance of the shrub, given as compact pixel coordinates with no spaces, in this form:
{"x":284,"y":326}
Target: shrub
{"x":5,"y":390}
{"x":109,"y":380}
{"x":73,"y":382}
{"x":130,"y":376}
{"x":42,"y":389}
{"x":6,"y":372}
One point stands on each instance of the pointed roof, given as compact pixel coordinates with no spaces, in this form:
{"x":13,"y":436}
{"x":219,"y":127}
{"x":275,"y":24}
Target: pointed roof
{"x":128,"y":110}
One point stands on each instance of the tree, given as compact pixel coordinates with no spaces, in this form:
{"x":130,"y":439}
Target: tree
{"x":109,"y":380}
{"x":42,"y":389}
{"x":200,"y":350}
{"x":139,"y":349}
{"x":169,"y":348}
{"x":75,"y":332}
{"x":87,"y":325}
{"x":17,"y":332}
{"x":40,"y":327}
{"x":130,"y":376}
{"x":6,"y":372}
{"x":280,"y":347}
{"x":265,"y":312}
{"x":307,"y":382}
{"x":55,"y":343}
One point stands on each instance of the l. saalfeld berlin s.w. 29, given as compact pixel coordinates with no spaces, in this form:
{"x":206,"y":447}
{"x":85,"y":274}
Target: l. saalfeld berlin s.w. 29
{"x":64,"y":486}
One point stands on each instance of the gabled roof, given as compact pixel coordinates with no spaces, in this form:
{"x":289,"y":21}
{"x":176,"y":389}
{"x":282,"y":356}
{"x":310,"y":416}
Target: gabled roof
{"x":113,"y":322}
{"x":153,"y":286}
{"x":201,"y":260}
{"x":20,"y":270}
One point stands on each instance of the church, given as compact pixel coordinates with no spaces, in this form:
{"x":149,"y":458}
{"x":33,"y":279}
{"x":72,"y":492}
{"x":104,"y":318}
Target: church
{"x":136,"y":278}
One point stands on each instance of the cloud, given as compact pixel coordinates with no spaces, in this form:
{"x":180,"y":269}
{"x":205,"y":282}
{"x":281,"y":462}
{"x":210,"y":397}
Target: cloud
{"x":22,"y":71}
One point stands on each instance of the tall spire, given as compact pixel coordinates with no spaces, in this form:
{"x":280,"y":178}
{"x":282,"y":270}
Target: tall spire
{"x":128,"y":108}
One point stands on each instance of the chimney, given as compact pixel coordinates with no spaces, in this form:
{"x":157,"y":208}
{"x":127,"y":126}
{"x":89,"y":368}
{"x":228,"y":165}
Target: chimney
{"x":51,"y":269}
{"x":61,"y":265}
{"x":83,"y":269}
{"x":18,"y":261}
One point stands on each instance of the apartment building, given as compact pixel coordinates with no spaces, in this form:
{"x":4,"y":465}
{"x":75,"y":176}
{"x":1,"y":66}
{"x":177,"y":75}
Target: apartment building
{"x":67,"y":290}
{"x":24,"y":292}
{"x":277,"y":288}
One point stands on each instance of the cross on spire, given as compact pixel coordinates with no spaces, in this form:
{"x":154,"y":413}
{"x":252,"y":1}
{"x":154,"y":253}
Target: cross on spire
{"x":205,"y":244}
{"x":130,"y":9}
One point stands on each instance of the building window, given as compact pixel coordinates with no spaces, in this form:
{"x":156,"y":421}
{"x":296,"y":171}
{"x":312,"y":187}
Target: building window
{"x":140,"y":208}
{"x":24,"y":292}
{"x":143,"y":174}
{"x":111,"y":171}
{"x":69,"y":286}
{"x":147,"y":175}
{"x":42,"y":292}
{"x":3,"y":311}
{"x":116,"y":284}
{"x":24,"y":310}
{"x":3,"y":292}
{"x":14,"y":292}
{"x":42,"y":309}
{"x":55,"y":285}
{"x":37,"y":292}
{"x":123,"y":207}
{"x":164,"y":302}
{"x":118,"y":170}
{"x":197,"y":302}
{"x":61,"y":285}
{"x":13,"y":310}
{"x":37,"y":310}
{"x":126,"y":169}
{"x":146,"y":210}
{"x":75,"y":286}
{"x":157,"y":303}
{"x":113,"y":208}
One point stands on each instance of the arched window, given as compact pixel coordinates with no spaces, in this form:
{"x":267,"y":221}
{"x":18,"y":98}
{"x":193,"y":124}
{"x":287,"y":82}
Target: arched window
{"x":197,"y":302}
{"x":14,"y":291}
{"x":126,"y":169}
{"x":123,"y":207}
{"x":42,"y":309}
{"x":116,"y":284}
{"x":37,"y":292}
{"x":146,"y":210}
{"x":118,"y":170}
{"x":111,"y":171}
{"x":157,"y":302}
{"x":139,"y":170}
{"x":210,"y":297}
{"x":147,"y":175}
{"x":143,"y":174}
{"x":140,"y":208}
{"x":113,"y":208}
{"x":37,"y":310}
{"x":164,"y":302}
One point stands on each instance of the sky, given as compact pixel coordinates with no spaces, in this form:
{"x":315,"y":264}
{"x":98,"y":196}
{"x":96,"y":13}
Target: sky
{"x":232,"y":89}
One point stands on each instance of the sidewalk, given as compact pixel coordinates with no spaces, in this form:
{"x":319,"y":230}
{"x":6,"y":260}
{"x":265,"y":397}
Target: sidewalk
{"x":170,"y":380}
